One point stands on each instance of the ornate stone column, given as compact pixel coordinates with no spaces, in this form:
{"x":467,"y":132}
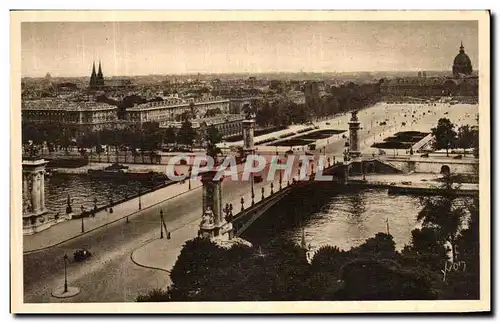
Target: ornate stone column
{"x":354,"y":123}
{"x":35,"y":216}
{"x":213,"y":223}
{"x":35,"y":191}
{"x":42,"y":189}
{"x":248,"y":136}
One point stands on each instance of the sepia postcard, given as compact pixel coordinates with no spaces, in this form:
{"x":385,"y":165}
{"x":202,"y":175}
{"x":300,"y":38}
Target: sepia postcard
{"x":250,"y":161}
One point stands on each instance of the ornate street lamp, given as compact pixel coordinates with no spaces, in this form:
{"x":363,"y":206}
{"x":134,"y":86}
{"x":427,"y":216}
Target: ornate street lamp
{"x":252,"y":189}
{"x":189,"y":179}
{"x":83,"y":227}
{"x":65,"y":258}
{"x":242,"y":201}
{"x":262,"y":191}
{"x":280,"y":180}
{"x":161,"y":224}
{"x":140,"y":202}
{"x":69,"y":209}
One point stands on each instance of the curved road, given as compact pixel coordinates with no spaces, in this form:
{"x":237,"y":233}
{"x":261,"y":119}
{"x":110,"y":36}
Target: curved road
{"x":109,"y":275}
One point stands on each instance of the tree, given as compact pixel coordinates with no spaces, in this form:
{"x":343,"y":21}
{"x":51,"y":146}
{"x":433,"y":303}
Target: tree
{"x":155,"y":295}
{"x":441,"y":213}
{"x":186,"y":134}
{"x":380,"y":246}
{"x":169,"y":135}
{"x":213,"y":137}
{"x":371,"y":279}
{"x":194,"y":269}
{"x":329,"y":259}
{"x":444,"y":134}
{"x":192,"y":110}
{"x":465,"y":137}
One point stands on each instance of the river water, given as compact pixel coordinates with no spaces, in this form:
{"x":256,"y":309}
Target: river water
{"x":330,"y":215}
{"x":83,"y":190}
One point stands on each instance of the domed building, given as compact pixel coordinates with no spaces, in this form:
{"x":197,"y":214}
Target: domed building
{"x":462,"y":64}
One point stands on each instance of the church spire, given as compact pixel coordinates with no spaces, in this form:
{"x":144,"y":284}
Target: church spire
{"x":461,"y":47}
{"x":93,"y":77}
{"x":100,"y":76}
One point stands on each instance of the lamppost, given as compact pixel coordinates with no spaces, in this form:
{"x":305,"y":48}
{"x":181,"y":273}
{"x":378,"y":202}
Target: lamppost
{"x":280,"y":179}
{"x":252,"y":184}
{"x":161,"y":224}
{"x":272,"y":189}
{"x":242,"y":201}
{"x":140,"y":202}
{"x":65,"y":258}
{"x":262,"y":191}
{"x":68,"y":207}
{"x":83,"y":227}
{"x":189,"y":179}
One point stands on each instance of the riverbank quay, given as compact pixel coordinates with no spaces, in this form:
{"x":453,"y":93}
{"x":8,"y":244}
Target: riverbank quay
{"x":412,"y":184}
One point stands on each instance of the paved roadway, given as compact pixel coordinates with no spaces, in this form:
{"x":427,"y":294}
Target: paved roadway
{"x":110,"y":276}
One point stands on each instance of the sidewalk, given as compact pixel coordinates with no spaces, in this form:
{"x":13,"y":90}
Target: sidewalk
{"x":73,"y":228}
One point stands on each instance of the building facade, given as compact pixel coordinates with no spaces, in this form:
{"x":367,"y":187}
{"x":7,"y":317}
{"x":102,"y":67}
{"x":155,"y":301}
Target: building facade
{"x":173,"y":109}
{"x":461,"y":83}
{"x":80,"y":117}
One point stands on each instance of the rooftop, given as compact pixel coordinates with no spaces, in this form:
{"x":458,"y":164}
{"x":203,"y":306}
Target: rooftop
{"x":57,"y":104}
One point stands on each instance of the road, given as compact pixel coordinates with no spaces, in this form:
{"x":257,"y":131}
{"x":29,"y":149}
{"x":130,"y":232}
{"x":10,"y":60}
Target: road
{"x":110,"y":275}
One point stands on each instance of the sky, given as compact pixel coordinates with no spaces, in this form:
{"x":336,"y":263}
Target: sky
{"x":142,"y":48}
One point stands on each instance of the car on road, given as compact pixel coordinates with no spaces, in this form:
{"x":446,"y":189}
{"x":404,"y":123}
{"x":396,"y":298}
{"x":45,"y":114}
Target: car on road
{"x":81,"y":255}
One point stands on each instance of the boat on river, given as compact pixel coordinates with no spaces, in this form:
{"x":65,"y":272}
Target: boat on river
{"x":121,"y":172}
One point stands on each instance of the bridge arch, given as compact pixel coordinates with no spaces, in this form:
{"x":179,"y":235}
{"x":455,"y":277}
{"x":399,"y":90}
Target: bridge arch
{"x":445,"y":170}
{"x":369,"y":167}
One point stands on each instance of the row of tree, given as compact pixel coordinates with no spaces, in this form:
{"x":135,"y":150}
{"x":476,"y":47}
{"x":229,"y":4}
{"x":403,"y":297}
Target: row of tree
{"x":464,"y":137}
{"x":147,"y":137}
{"x":375,"y":270}
{"x":284,"y":112}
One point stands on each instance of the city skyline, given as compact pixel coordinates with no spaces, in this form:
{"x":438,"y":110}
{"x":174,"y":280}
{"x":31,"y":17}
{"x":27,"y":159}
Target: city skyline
{"x":168,"y":48}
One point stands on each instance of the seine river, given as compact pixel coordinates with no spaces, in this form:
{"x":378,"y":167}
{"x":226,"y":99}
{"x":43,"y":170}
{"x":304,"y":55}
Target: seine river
{"x":332,"y":216}
{"x":329,"y":214}
{"x":83,"y":190}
